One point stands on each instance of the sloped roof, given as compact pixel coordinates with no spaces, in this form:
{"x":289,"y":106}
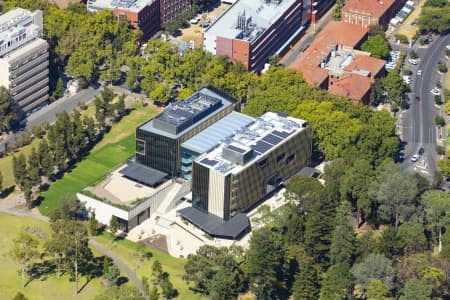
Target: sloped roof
{"x":374,"y":8}
{"x":353,"y":86}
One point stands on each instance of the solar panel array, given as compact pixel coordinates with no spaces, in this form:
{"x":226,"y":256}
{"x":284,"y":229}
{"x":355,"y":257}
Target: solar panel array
{"x":282,"y":134}
{"x":208,"y":162}
{"x":272,"y":139}
{"x":261,"y":147}
{"x":235,"y":149}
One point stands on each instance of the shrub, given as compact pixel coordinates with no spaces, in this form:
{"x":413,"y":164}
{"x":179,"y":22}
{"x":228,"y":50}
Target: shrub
{"x":439,"y":121}
{"x":407,"y":72}
{"x":413,"y":54}
{"x":442,"y":67}
{"x":438,"y":99}
{"x":440,"y":150}
{"x":402,"y":38}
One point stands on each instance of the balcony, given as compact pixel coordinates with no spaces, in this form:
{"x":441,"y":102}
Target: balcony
{"x":31,"y":63}
{"x":32,"y":97}
{"x":35,"y":103}
{"x":31,"y":89}
{"x":20,"y":86}
{"x":35,"y":70}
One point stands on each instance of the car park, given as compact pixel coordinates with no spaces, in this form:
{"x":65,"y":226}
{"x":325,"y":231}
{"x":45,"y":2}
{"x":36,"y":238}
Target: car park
{"x":414,"y":158}
{"x":435,"y":92}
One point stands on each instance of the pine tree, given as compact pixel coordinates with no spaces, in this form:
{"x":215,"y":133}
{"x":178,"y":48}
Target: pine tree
{"x":45,"y":159}
{"x":343,"y":240}
{"x":33,"y":168}
{"x":337,"y":282}
{"x":20,"y":169}
{"x":305,"y":282}
{"x":318,"y":230}
{"x":28,"y":192}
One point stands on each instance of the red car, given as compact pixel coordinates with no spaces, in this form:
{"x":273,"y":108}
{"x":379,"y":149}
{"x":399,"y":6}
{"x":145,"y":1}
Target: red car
{"x":417,"y":98}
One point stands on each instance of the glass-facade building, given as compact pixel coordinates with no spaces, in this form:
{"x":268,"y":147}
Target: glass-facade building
{"x":158,"y":141}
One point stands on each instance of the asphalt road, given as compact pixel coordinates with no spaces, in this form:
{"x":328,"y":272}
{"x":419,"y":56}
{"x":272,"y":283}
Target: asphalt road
{"x":48,"y":113}
{"x":418,"y":122}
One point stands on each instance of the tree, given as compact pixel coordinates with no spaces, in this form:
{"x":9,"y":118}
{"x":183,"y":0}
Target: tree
{"x":157,"y":271}
{"x":338,"y":10}
{"x":7,"y":116}
{"x":1,"y":183}
{"x":413,"y":237}
{"x":24,"y":252}
{"x":354,"y":186}
{"x":337,"y":283}
{"x":167,"y":287}
{"x":416,"y":289}
{"x":114,"y":225}
{"x":377,"y":290}
{"x":20,"y":296}
{"x":72,"y":235}
{"x":112,"y":275}
{"x":70,"y":208}
{"x":265,"y":262}
{"x":45,"y":159}
{"x":28,"y":192}
{"x":93,"y":224}
{"x":446,"y":243}
{"x":394,"y":86}
{"x":439,"y":120}
{"x":154,"y":294}
{"x":20,"y":169}
{"x":377,"y":45}
{"x":437,"y":205}
{"x":434,"y":19}
{"x":214,"y":272}
{"x":395,"y":191}
{"x":306,"y":278}
{"x":343,"y":240}
{"x":390,"y":244}
{"x":375,"y":266}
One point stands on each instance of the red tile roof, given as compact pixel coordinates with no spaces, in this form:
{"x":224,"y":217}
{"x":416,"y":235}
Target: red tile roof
{"x":368,"y":63}
{"x":353,"y":86}
{"x":335,"y":33}
{"x":374,"y":8}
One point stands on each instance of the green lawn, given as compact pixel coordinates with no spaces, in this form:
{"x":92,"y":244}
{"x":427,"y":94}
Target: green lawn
{"x":126,"y":251}
{"x":117,"y":146}
{"x":52,"y":287}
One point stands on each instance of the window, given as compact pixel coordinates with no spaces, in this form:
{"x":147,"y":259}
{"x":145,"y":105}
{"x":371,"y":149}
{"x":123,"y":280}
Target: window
{"x":140,"y":146}
{"x":281,"y":156}
{"x":262,"y":162}
{"x":290,"y":158}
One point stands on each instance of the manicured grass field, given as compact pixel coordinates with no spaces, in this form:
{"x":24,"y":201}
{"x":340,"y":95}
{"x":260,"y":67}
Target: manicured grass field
{"x":126,"y":251}
{"x":50,"y":288}
{"x":116,"y":147}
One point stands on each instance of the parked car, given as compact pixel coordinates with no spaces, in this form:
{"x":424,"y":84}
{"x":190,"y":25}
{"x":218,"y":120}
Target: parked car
{"x":436,"y":92}
{"x":413,"y":61}
{"x":421,"y":151}
{"x":195,"y":20}
{"x":414,"y":158}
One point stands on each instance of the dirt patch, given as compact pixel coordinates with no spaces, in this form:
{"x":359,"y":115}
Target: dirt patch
{"x":194,"y":31}
{"x":158,"y":242}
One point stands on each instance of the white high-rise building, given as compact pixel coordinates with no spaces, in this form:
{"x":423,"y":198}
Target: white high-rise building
{"x":24,"y":59}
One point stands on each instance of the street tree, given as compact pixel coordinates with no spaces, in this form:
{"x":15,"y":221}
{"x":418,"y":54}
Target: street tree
{"x":395,"y":191}
{"x":70,"y":208}
{"x":437,"y":205}
{"x":25,"y":252}
{"x":7,"y":116}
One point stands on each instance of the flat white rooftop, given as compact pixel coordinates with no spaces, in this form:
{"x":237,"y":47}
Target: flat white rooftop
{"x":255,"y":140}
{"x":25,"y":49}
{"x":130,"y":5}
{"x":259,"y":15}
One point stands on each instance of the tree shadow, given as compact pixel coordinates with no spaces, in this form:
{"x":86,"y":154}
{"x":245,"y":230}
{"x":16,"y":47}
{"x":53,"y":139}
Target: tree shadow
{"x":41,"y":270}
{"x":122,"y":280}
{"x":6,"y":192}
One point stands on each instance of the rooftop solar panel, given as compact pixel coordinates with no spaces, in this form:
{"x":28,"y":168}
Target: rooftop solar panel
{"x":208,"y":162}
{"x":236,"y":149}
{"x":272,"y":139}
{"x":282,"y":134}
{"x":261,"y":147}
